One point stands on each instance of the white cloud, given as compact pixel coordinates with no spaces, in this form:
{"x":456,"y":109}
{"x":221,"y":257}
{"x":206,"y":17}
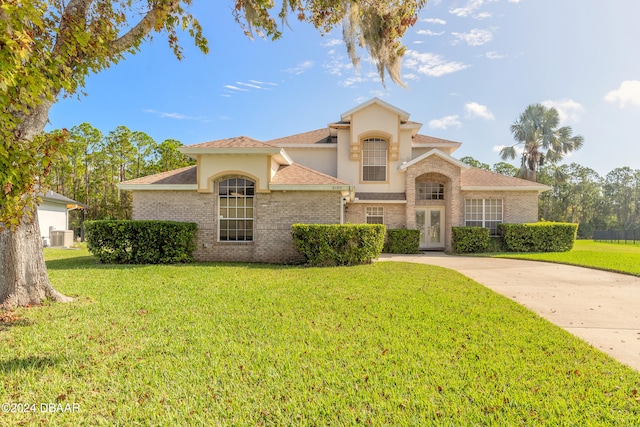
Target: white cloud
{"x":431,"y":64}
{"x":300,"y":68}
{"x":337,"y":65}
{"x":474,"y":37}
{"x":470,"y":8}
{"x":332,"y":42}
{"x":494,"y":55}
{"x":177,"y":116}
{"x":429,"y":33}
{"x":474,"y":109}
{"x":627,"y":93}
{"x":568,"y":109}
{"x":434,"y":21}
{"x":231,"y":87}
{"x":445,"y":122}
{"x":483,"y":15}
{"x":251,"y":85}
{"x":258,"y":82}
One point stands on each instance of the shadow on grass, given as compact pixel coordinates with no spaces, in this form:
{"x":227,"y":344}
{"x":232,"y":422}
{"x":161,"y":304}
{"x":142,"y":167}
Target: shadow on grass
{"x":6,"y":322}
{"x":91,"y":262}
{"x":28,"y":363}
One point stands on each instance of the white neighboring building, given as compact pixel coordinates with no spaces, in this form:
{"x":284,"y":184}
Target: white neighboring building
{"x":53,"y":217}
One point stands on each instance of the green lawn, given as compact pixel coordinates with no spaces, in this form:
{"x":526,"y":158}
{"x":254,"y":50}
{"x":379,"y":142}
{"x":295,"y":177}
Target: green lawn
{"x":234,"y":344}
{"x":605,"y":256}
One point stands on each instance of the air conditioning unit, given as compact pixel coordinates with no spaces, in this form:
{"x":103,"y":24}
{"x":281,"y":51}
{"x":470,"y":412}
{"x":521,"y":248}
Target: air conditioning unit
{"x":62,"y":238}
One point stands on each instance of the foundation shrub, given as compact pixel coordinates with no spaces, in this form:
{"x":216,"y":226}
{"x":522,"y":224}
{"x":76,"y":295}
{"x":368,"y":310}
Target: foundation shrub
{"x":539,"y":236}
{"x":469,"y":240}
{"x":141,"y":242}
{"x":402,"y":241}
{"x":339,"y":244}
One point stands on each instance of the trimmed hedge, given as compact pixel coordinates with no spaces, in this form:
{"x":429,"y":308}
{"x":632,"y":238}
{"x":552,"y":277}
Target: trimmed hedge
{"x":339,"y":244}
{"x":468,"y":240}
{"x":141,"y":242}
{"x":539,"y":236}
{"x":402,"y":241}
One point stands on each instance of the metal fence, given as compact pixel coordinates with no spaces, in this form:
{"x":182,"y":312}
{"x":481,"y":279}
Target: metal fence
{"x":626,"y":236}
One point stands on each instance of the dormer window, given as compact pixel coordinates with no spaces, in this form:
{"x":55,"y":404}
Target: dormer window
{"x":374,"y":160}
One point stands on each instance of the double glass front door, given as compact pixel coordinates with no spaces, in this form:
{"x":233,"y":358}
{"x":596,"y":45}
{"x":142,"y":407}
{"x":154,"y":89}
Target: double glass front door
{"x":430,"y":222}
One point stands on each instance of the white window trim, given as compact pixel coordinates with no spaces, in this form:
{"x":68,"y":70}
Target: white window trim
{"x":222,"y":218}
{"x":378,"y":214}
{"x":484,"y":219}
{"x":386,"y":159}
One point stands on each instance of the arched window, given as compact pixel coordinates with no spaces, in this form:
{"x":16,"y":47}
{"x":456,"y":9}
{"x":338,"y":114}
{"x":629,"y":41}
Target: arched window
{"x":429,"y":191}
{"x":374,"y":159}
{"x":235,"y":214}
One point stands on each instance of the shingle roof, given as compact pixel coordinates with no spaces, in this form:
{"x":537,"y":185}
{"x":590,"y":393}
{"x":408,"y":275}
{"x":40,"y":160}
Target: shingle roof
{"x":56,"y":197}
{"x":318,"y":136}
{"x":474,"y":177}
{"x":301,"y":175}
{"x":381,"y":196}
{"x":235,"y":142}
{"x":186,"y":175}
{"x":426,"y":140}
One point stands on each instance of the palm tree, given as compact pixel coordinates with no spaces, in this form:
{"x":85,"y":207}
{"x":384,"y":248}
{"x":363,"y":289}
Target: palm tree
{"x":537,"y":131}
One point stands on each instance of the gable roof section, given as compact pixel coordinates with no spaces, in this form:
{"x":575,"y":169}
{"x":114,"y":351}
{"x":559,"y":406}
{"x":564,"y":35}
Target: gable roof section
{"x":346,"y":116}
{"x":433,"y":152}
{"x":419,"y":140}
{"x":235,"y":142}
{"x":236,"y":145}
{"x":298,"y":177}
{"x":474,"y":179}
{"x":318,"y":137}
{"x":57,"y":198}
{"x":178,"y":179}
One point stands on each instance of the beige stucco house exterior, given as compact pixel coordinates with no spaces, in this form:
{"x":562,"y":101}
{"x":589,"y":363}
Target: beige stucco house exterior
{"x":372,"y":166}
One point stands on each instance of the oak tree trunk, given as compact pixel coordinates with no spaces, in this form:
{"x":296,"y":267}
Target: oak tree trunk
{"x":23,"y":273}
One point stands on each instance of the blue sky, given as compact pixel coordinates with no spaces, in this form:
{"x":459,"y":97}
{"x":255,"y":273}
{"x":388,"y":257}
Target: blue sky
{"x":472,"y":66}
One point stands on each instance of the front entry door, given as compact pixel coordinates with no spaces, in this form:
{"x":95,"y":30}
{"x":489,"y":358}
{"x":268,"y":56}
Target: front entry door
{"x":430,"y":222}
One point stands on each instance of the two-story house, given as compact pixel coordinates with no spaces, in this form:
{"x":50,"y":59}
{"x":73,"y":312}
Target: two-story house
{"x":372,"y":166}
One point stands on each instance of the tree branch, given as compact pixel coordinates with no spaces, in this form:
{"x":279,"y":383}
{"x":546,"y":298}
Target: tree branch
{"x":152,"y":20}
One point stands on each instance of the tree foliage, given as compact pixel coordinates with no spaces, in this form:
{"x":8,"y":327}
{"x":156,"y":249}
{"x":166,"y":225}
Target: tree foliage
{"x":96,"y":163}
{"x":537,"y":131}
{"x":377,"y":26}
{"x":48,"y":48}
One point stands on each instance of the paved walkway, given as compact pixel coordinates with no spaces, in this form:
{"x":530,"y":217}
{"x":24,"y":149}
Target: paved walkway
{"x":599,"y":307}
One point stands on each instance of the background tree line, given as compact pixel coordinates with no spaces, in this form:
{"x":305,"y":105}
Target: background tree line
{"x":580,"y":195}
{"x":93,"y":164}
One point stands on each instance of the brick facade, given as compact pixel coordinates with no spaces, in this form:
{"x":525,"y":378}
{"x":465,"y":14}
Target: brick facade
{"x":394,"y":213}
{"x":275,"y":212}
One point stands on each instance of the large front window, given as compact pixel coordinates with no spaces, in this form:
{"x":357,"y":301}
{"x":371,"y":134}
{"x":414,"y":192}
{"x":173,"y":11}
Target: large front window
{"x":374,"y":159}
{"x":235,"y":216}
{"x":483,"y":213}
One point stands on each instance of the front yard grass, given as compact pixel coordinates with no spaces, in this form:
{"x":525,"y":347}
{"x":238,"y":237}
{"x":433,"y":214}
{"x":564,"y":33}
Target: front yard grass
{"x":238,"y":344}
{"x":587,"y":253}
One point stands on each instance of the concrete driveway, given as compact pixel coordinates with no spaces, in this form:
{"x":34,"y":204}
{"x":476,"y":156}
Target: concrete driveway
{"x":599,"y":307}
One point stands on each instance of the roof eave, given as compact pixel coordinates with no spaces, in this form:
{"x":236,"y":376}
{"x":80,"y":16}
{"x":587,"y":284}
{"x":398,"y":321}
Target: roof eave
{"x":157,"y":187}
{"x":310,"y":187}
{"x":433,"y":152}
{"x":538,"y":188}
